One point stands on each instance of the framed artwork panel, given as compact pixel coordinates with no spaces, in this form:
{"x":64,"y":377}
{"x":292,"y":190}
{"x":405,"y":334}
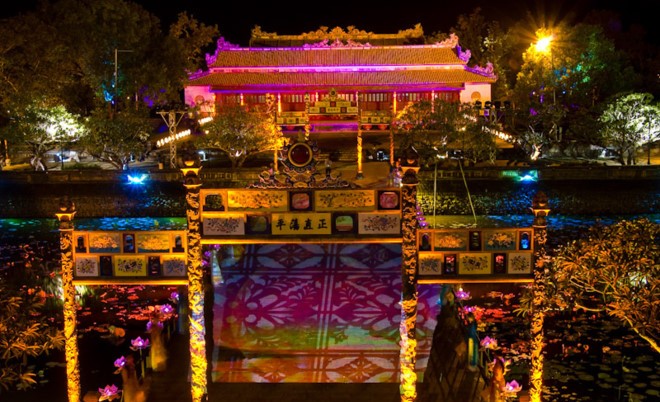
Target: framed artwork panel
{"x":430,"y":264}
{"x":154,"y":266}
{"x":379,"y":223}
{"x":344,"y":223}
{"x":80,"y":242}
{"x":130,"y":265}
{"x":499,"y":263}
{"x":174,"y":265}
{"x":525,"y":240}
{"x":87,"y":266}
{"x":257,"y":224}
{"x":214,"y":202}
{"x":389,"y":200}
{"x":519,"y":263}
{"x":449,"y":264}
{"x":474,"y":263}
{"x":105,"y":242}
{"x":475,"y":240}
{"x":499,"y":240}
{"x":301,"y":201}
{"x":128,"y":243}
{"x":425,"y":240}
{"x":178,"y":243}
{"x":152,"y":242}
{"x":105,"y":262}
{"x":450,"y":240}
{"x":225,"y":224}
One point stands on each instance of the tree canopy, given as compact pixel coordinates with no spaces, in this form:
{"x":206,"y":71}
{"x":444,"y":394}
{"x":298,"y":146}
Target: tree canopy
{"x":630,"y":121}
{"x":614,"y":270}
{"x":25,"y":334}
{"x":241,"y":133}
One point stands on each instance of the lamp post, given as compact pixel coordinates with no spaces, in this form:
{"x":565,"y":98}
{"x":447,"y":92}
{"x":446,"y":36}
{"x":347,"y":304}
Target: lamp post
{"x":172,"y":120}
{"x":544,"y":45}
{"x":115,"y":83}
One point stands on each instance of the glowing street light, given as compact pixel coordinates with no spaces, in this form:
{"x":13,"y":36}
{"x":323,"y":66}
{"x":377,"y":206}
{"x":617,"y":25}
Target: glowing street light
{"x":544,"y":46}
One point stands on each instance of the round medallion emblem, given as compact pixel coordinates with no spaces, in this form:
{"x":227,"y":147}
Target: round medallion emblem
{"x":300,"y":155}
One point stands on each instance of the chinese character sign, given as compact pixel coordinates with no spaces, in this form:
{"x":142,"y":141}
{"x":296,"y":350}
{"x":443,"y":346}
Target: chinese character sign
{"x":302,"y":224}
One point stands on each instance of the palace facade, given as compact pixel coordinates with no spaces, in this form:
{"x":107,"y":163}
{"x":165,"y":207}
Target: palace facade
{"x":336,"y":80}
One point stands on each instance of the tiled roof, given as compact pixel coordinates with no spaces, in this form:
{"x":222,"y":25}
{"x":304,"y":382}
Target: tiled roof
{"x":344,"y":56}
{"x":423,"y":79}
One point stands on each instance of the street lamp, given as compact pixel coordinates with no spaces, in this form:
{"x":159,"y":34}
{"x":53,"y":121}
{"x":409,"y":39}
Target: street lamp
{"x":544,"y":45}
{"x":172,"y":119}
{"x":116,"y":83}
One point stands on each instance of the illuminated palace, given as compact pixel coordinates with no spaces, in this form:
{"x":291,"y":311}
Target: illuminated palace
{"x":335,"y":80}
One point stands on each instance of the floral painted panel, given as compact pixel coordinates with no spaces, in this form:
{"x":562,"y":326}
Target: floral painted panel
{"x":430,"y":264}
{"x":126,"y":265}
{"x":450,"y":240}
{"x":267,"y":200}
{"x":87,"y":266}
{"x":379,"y":223}
{"x":474,"y":263}
{"x":344,"y":200}
{"x":520,"y":263}
{"x":153,"y":242}
{"x":104,"y":242}
{"x":227,"y":224}
{"x":500,"y":240}
{"x":174,"y":266}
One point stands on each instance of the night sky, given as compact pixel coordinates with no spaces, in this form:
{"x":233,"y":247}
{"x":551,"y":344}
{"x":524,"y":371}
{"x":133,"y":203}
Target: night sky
{"x":235,"y":19}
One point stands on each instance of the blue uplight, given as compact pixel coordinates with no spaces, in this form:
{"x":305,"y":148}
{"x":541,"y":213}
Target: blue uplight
{"x":137,"y":179}
{"x":532,"y":175}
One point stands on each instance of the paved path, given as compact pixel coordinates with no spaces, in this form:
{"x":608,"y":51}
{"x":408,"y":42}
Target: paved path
{"x":173,"y":386}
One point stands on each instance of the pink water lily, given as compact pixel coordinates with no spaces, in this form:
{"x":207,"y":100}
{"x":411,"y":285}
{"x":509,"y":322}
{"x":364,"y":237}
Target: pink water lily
{"x":150,"y":324}
{"x":512,"y":387}
{"x":462,"y":294}
{"x":139,"y":343}
{"x":489,"y":343}
{"x":109,"y":393}
{"x":121,"y":362}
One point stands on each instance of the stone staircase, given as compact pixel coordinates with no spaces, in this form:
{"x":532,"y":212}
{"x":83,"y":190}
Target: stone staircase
{"x":447,"y":378}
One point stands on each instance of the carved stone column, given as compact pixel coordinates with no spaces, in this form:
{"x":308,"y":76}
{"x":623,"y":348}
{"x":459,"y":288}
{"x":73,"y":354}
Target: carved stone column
{"x":360,"y":174}
{"x":541,"y":211}
{"x":409,"y":261}
{"x":65,"y":216}
{"x":198,"y":362}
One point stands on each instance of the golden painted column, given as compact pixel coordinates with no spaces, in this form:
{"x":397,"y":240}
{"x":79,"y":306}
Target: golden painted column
{"x":409,"y":260}
{"x":392,"y":118}
{"x":65,"y":216}
{"x":198,"y":363}
{"x":360,"y":174}
{"x":541,"y":260}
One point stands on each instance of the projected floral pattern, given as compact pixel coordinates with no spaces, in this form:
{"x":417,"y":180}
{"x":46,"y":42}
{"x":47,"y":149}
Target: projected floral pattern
{"x":313,"y":313}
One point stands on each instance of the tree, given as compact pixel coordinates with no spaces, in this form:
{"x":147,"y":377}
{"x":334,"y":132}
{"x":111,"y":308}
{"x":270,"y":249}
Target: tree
{"x":24,"y":335}
{"x":96,"y":54}
{"x":487,"y":43}
{"x":240,"y":132}
{"x":43,"y":129}
{"x":116,"y":139}
{"x":434,"y":128}
{"x":629,"y":121}
{"x":614,"y":270}
{"x":540,"y":129}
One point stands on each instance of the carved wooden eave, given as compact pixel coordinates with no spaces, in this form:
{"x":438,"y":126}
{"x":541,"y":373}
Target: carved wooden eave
{"x":336,"y":35}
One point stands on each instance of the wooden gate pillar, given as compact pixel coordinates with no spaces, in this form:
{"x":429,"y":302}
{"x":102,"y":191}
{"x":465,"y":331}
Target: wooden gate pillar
{"x":198,"y":363}
{"x":65,"y":216}
{"x":541,"y":211}
{"x":409,"y":260}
